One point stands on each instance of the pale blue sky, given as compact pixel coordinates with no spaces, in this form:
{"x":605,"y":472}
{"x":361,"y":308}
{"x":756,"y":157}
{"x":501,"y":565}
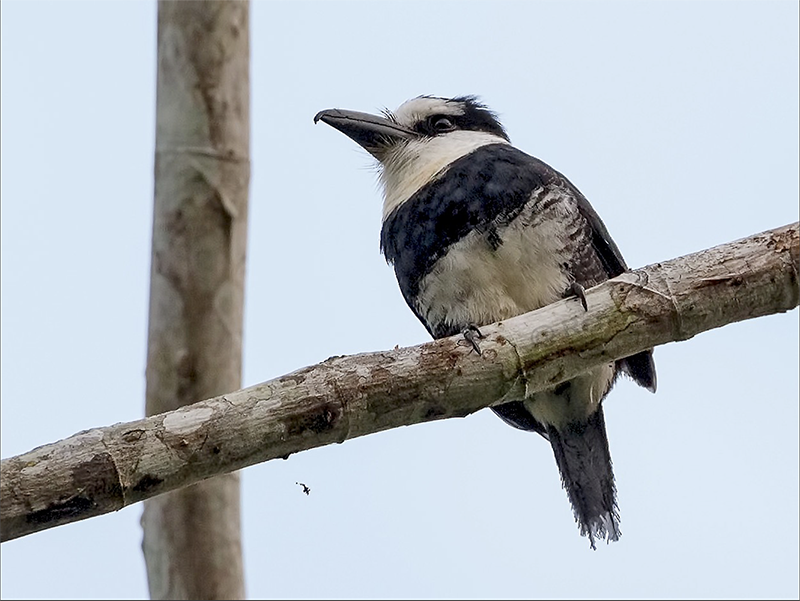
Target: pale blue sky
{"x":679,"y":122}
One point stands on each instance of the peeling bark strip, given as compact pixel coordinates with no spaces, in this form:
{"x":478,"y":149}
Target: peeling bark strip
{"x":104,"y":469}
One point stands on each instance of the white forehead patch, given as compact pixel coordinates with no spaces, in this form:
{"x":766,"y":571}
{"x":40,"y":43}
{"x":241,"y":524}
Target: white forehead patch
{"x":417,"y":109}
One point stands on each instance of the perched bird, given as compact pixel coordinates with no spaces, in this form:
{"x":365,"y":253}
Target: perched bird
{"x":477,"y":232}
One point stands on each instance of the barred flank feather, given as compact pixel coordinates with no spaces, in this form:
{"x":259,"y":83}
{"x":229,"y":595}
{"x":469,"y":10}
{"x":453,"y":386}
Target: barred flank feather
{"x":583,"y":459}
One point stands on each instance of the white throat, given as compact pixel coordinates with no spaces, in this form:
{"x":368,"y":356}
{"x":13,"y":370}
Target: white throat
{"x":413,"y":164}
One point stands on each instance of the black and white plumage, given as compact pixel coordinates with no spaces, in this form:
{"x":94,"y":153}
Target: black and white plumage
{"x":477,"y":232}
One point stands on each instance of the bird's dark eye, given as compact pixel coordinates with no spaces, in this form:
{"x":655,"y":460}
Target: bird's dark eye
{"x":441,"y":124}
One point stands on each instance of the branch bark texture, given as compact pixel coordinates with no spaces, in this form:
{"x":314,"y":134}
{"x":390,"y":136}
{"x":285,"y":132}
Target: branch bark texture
{"x":104,"y":469}
{"x":192,"y":538}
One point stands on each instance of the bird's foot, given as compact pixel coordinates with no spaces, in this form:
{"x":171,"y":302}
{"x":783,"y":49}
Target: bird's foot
{"x":472,"y":334}
{"x":575,"y":289}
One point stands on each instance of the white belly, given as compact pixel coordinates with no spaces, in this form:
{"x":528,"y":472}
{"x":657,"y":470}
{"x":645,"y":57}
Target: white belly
{"x":477,"y":284}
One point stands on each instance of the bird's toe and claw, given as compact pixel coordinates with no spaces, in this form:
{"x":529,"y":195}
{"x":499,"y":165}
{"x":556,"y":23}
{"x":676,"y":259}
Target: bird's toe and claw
{"x":472,"y":334}
{"x":575,"y":289}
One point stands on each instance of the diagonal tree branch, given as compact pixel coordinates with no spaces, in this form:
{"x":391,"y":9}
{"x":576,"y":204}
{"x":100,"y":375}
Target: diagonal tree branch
{"x":104,"y":469}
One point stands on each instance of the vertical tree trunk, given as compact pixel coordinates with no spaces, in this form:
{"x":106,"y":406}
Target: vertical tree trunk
{"x":192,"y":539}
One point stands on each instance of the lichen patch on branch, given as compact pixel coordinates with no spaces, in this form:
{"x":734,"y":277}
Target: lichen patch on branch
{"x":186,"y":421}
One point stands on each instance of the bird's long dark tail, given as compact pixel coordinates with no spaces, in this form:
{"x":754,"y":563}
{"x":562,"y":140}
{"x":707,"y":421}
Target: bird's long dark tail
{"x":583,"y":459}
